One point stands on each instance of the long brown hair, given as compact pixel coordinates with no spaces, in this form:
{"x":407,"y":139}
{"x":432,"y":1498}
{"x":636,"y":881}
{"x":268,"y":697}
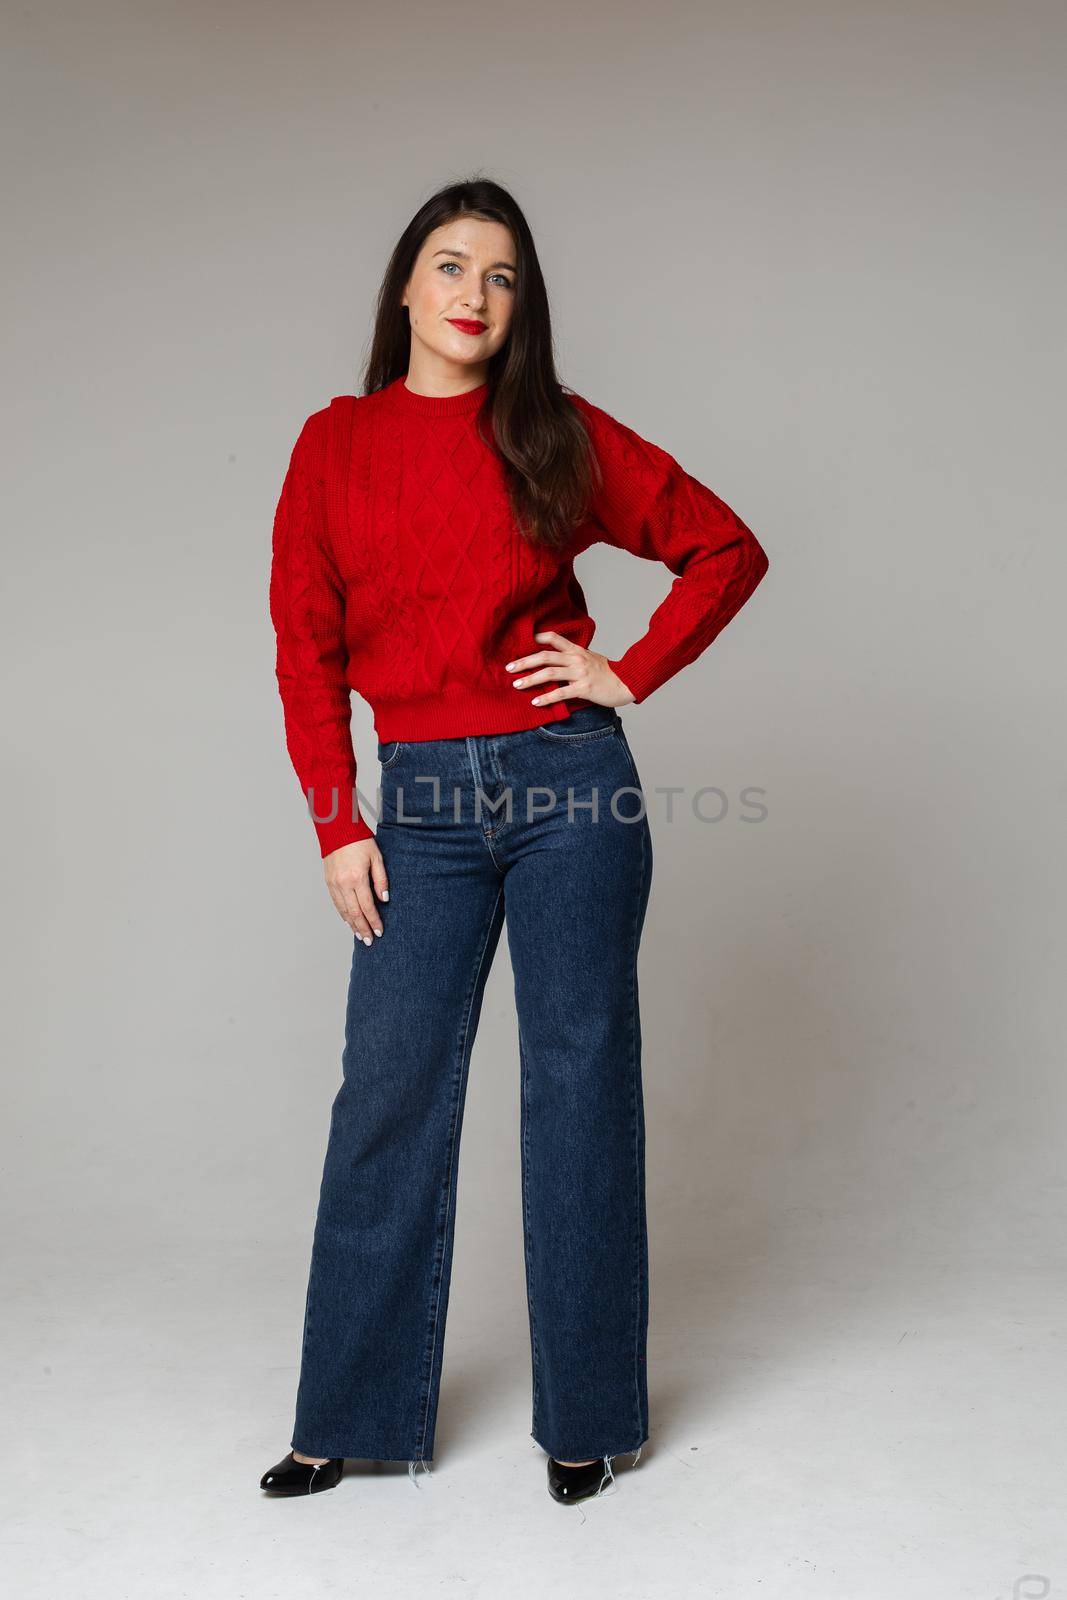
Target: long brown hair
{"x":539,"y":435}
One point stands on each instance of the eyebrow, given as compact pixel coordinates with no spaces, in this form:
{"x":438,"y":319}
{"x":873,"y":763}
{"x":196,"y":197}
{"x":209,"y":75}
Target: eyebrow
{"x":506,"y":264}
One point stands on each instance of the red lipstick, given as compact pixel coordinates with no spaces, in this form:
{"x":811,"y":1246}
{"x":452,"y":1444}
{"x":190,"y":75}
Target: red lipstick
{"x":467,"y":327}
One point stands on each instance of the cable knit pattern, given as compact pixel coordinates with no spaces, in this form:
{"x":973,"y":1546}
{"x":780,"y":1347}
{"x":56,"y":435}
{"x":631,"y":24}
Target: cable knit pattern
{"x":397,"y":571}
{"x":652,"y":507}
{"x":307,"y":608}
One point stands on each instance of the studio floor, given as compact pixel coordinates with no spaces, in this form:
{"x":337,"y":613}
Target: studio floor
{"x":840,"y":1416}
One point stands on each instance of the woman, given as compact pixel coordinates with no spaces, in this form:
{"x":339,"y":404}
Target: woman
{"x":423,"y":555}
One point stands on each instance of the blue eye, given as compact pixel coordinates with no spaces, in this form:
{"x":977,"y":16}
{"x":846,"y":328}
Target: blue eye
{"x":498,"y":277}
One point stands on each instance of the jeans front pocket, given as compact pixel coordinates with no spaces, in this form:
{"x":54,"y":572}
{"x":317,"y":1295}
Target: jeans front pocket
{"x":390,"y":751}
{"x":581,"y":726}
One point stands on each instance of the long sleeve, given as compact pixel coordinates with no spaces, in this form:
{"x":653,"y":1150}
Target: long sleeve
{"x":307,"y":608}
{"x":651,"y":506}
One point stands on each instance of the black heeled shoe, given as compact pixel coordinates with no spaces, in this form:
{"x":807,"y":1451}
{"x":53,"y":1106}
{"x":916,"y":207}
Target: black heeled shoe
{"x":568,"y":1485}
{"x":290,"y":1476}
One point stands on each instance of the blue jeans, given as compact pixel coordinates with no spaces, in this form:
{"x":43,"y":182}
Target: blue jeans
{"x":491,"y":840}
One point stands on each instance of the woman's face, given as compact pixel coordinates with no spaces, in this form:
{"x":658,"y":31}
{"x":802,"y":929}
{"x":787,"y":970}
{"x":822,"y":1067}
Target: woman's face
{"x":464,"y":274}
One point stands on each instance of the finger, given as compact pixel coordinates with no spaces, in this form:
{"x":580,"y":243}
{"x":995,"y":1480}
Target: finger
{"x":355,"y":912}
{"x":570,"y":690}
{"x":540,"y":656}
{"x":339,"y":901}
{"x":380,"y":878}
{"x":546,"y":674}
{"x":557,"y":694}
{"x":369,"y":907}
{"x":342,"y":893}
{"x":535,"y":660}
{"x":530,"y":661}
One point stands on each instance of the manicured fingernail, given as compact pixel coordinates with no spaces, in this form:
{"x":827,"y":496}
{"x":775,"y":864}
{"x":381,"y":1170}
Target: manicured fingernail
{"x":518,"y":683}
{"x":385,"y":894}
{"x":378,"y":931}
{"x":510,"y":667}
{"x":536,"y":701}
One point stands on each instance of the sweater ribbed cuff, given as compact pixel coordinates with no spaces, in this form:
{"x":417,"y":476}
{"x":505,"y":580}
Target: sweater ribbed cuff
{"x":342,"y":822}
{"x":640,"y":680}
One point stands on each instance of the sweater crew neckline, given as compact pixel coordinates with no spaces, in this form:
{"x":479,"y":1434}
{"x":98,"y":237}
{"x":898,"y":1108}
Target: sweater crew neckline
{"x":430,"y":405}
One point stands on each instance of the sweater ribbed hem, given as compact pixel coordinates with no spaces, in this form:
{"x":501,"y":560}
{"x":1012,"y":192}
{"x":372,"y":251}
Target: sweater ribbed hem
{"x":465,"y":712}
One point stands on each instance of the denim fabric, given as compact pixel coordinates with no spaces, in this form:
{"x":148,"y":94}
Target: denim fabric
{"x":572,"y":888}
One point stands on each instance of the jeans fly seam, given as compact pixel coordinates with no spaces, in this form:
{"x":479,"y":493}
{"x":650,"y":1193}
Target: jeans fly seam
{"x":451,"y":1172}
{"x":479,"y":787}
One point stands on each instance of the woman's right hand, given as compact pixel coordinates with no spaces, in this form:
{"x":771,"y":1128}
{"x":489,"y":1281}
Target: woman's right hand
{"x":354,"y":875}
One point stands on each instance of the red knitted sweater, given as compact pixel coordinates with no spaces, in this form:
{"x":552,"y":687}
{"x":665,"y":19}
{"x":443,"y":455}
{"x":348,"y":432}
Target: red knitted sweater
{"x":397,"y":571}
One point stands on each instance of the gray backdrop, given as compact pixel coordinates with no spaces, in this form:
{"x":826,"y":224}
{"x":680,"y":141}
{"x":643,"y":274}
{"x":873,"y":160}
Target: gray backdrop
{"x":816,"y":251}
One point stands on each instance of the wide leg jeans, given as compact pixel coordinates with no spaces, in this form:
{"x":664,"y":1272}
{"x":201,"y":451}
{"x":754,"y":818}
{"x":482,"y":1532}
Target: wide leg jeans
{"x":544,"y":829}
